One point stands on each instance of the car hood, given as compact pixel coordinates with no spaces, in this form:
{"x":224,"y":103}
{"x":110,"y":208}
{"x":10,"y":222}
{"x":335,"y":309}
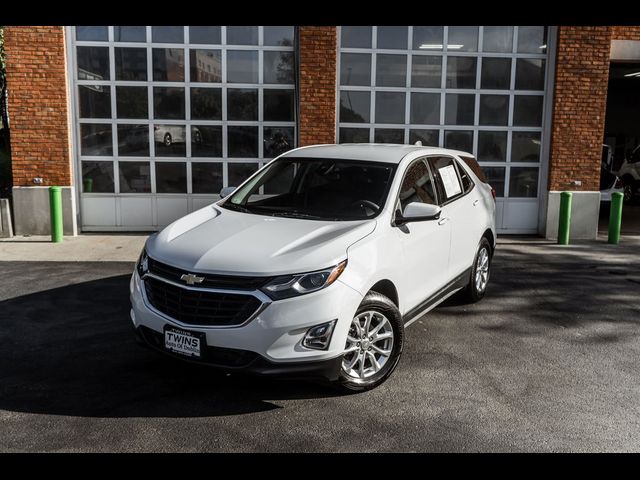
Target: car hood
{"x":217,"y":240}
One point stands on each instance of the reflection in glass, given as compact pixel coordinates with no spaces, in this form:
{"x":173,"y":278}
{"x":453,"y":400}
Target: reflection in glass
{"x":242,"y":35}
{"x":459,"y":140}
{"x":529,"y":74}
{"x":94,"y":34}
{"x":168,"y":103}
{"x":97,"y":177}
{"x":461,"y":72}
{"x":355,"y":107}
{"x":459,"y":109}
{"x":278,"y":67}
{"x":281,"y":183}
{"x":391,"y":70}
{"x":278,"y":105}
{"x":525,"y":147}
{"x":355,"y":69}
{"x":133,"y":140}
{"x":492,"y":146}
{"x":205,"y":65}
{"x":130,"y":34}
{"x":242,"y":104}
{"x":354,"y":135}
{"x":426,"y":71}
{"x":242,"y":66}
{"x":131,"y":63}
{"x":496,"y":73}
{"x":205,"y":35}
{"x":206,"y":103}
{"x":392,"y":37}
{"x":425,"y":108}
{"x":463,"y":39}
{"x":239,"y":172}
{"x":390,"y":107}
{"x":532,"y":39}
{"x":527,"y":110}
{"x":242,"y":142}
{"x":206,"y":177}
{"x":135,"y":177}
{"x":168,"y":64}
{"x":277,"y":140}
{"x":206,"y":141}
{"x":132,"y":102}
{"x":494,"y":109}
{"x":355,"y":37}
{"x":428,"y":38}
{"x":170,"y":140}
{"x":523,"y":182}
{"x":168,"y":34}
{"x":171,"y":177}
{"x":427,"y":137}
{"x":388,"y":135}
{"x":497,"y":39}
{"x":95,"y":139}
{"x":93,"y":63}
{"x":282,"y":36}
{"x":95,"y":101}
{"x":495,"y":178}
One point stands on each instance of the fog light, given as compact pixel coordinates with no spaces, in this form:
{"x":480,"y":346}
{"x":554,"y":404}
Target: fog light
{"x":318,"y":337}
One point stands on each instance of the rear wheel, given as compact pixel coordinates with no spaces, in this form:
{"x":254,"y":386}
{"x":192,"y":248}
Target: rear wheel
{"x":374,"y":344}
{"x":480,"y":271}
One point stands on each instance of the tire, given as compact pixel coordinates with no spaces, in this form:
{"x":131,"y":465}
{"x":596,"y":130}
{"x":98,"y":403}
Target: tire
{"x":167,"y":139}
{"x":477,"y":286}
{"x":383,"y":316}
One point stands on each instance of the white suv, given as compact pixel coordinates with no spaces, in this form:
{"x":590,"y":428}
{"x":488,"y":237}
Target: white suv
{"x":316,"y":264}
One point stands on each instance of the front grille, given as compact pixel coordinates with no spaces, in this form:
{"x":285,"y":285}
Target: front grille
{"x":218,"y":356}
{"x":232,"y":282}
{"x":196,"y":307}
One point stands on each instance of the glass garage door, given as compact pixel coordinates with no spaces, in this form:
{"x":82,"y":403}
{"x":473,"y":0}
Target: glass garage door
{"x":472,"y":88}
{"x":167,"y":116}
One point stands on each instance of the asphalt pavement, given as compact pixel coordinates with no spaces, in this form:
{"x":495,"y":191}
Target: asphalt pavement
{"x":548,"y":361}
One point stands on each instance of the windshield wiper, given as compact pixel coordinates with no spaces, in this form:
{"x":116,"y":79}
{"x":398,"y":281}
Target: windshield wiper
{"x":236,"y":207}
{"x":296,"y":214}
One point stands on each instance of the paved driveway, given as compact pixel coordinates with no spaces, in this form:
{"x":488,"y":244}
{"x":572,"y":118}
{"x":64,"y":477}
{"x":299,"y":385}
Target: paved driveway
{"x":548,"y":361}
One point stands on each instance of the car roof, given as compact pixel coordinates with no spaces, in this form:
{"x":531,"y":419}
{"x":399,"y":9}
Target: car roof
{"x":375,"y":152}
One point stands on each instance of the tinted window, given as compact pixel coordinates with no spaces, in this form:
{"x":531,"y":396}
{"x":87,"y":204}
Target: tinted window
{"x":446,"y":178}
{"x":475,"y":168}
{"x":417,"y":185}
{"x":467,"y":183}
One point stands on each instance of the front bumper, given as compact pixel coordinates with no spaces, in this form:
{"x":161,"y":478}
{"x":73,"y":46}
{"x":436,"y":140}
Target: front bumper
{"x":269,"y":344}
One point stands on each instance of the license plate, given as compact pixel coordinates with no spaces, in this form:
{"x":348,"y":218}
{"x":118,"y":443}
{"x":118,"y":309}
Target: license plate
{"x":183,"y":342}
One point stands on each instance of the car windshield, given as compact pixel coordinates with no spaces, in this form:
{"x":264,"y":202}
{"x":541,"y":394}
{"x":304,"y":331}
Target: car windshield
{"x":316,"y":189}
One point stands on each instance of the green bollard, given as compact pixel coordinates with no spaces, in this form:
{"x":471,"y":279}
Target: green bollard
{"x":564,"y":221}
{"x":55,"y":205}
{"x":615,"y":217}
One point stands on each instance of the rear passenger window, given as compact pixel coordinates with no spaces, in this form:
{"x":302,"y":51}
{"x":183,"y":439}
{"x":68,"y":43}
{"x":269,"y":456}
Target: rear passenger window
{"x":467,"y":183}
{"x":473,"y":164}
{"x":417,"y":185}
{"x":446,"y":178}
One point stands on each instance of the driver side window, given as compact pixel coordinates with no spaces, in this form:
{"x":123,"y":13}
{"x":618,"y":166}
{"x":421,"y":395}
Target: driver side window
{"x":417,"y":185}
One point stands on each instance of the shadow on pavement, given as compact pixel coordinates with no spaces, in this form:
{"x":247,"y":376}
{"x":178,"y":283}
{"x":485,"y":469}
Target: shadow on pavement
{"x":71,"y":351}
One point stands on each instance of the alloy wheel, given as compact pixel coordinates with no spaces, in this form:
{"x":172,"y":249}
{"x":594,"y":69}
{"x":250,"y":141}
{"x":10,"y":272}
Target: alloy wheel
{"x":369,"y":345}
{"x":482,"y":270}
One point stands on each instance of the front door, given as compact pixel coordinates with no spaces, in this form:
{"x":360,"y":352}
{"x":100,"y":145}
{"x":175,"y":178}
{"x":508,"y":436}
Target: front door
{"x":425,"y":244}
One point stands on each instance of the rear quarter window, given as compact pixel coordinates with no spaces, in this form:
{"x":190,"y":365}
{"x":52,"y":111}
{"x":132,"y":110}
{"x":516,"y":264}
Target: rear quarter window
{"x":472,"y":163}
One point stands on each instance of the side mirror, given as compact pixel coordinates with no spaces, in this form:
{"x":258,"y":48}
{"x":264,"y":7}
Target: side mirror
{"x":418,"y":212}
{"x":226,"y":191}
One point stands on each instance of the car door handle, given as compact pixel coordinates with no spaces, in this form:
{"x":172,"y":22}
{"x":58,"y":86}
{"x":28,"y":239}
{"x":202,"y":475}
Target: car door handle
{"x":444,"y":220}
{"x":475,"y":202}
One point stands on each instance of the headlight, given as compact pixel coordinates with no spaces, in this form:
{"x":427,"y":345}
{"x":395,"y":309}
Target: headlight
{"x":287,"y":286}
{"x":143,"y":263}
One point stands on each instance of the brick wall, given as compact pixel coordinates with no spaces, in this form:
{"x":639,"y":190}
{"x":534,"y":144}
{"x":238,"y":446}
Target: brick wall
{"x":582,"y":76}
{"x":318,"y":85}
{"x":36,"y":82}
{"x":625,"y":32}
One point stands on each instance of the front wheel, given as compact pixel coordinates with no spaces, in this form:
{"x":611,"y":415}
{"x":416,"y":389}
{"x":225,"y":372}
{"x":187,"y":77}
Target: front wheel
{"x":480,"y":271}
{"x":374,"y":344}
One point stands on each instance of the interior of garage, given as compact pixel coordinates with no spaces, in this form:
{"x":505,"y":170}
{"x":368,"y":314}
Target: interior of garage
{"x":621,"y":152}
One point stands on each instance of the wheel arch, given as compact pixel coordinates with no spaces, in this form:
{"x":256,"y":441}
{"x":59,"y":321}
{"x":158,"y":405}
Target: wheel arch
{"x":488,"y":234}
{"x":388,"y":289}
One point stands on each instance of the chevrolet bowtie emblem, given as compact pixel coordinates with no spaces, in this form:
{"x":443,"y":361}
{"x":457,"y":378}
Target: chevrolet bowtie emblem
{"x":191,"y":279}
